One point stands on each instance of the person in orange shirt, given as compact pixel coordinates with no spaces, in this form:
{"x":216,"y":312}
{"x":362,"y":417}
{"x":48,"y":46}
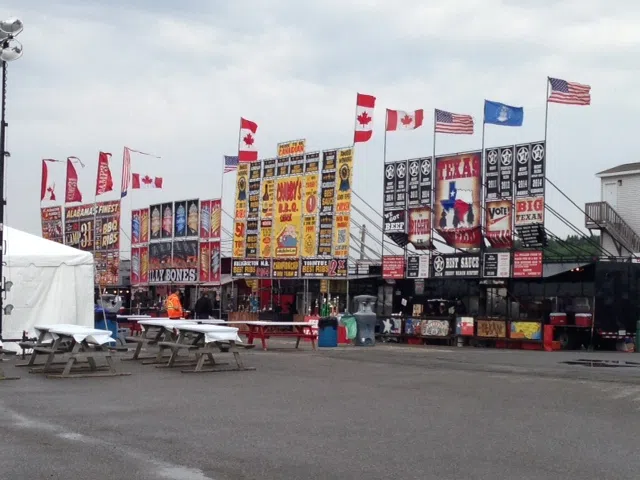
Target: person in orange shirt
{"x":174,"y":306}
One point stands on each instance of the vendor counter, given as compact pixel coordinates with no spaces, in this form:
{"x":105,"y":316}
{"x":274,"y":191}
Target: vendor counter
{"x":491,"y":331}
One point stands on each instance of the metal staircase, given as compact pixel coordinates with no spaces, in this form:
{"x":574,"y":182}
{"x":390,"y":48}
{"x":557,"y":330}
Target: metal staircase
{"x":602,"y":216}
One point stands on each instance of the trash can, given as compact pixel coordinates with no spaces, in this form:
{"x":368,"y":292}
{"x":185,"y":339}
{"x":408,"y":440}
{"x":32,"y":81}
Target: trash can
{"x":112,"y":323}
{"x":328,"y":332}
{"x":366,"y":321}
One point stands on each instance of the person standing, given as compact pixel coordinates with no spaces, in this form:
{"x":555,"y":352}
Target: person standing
{"x":174,"y":305}
{"x":203,"y":308}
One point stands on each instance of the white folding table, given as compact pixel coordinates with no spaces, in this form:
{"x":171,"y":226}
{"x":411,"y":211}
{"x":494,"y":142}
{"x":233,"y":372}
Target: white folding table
{"x":84,"y":344}
{"x":208,"y":339}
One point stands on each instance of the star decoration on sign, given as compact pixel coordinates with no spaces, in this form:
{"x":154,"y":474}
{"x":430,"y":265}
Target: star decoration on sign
{"x":426,"y":167}
{"x":389,"y":172}
{"x":523,"y":155}
{"x":492,"y":157}
{"x":507,"y":157}
{"x":414,"y":169}
{"x":401,"y":170}
{"x":438,"y":264}
{"x":537,"y":153}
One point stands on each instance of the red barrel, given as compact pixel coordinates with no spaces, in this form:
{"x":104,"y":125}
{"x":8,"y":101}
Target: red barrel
{"x":584,"y":320}
{"x":558,"y":318}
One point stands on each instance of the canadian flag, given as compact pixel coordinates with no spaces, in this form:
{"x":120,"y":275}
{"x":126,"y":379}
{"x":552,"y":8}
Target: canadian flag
{"x":145,"y":181}
{"x":400,"y":120}
{"x":47,"y":188}
{"x":364,"y":118}
{"x":246,"y":145}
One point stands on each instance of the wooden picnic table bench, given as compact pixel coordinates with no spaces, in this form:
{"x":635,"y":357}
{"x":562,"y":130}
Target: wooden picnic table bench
{"x":205,"y":340}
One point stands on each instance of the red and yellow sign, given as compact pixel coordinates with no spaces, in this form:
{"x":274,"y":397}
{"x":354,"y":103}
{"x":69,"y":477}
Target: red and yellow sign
{"x":266,"y":198}
{"x":292,"y":147}
{"x":265,"y":232}
{"x":309,"y":236}
{"x":343,"y":203}
{"x":288,"y":217}
{"x":241,"y":203}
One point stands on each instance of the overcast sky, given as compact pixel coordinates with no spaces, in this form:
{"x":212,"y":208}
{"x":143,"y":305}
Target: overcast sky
{"x":173,"y":78}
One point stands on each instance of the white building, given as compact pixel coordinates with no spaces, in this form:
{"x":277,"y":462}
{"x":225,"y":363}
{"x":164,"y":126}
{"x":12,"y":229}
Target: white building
{"x":617,"y":214}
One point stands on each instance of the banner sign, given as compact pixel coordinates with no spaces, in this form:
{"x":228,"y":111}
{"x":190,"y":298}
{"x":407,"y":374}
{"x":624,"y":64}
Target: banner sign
{"x":156,"y":222}
{"x":166,"y":231}
{"x":327,"y":203}
{"x":288,"y":217}
{"x":180,"y":219}
{"x":343,"y":203}
{"x":286,"y":268}
{"x":292,"y":147}
{"x":210,"y":262}
{"x":282,"y":166}
{"x":530,"y":174}
{"x":185,"y":254}
{"x":455,"y":265}
{"x":135,"y":266}
{"x":496,"y":265}
{"x":310,"y":195}
{"x":420,"y":227}
{"x":527,"y":264}
{"x":393,"y":266}
{"x":499,"y":168}
{"x":498,"y":223}
{"x":135,"y":227}
{"x":51,"y":219}
{"x":296,"y":165}
{"x":251,"y":268}
{"x":78,"y":227}
{"x":457,"y":206}
{"x":241,"y":206}
{"x":413,"y":184}
{"x":144,"y":225}
{"x":193,"y":218}
{"x":418,"y":266}
{"x":144,"y":265}
{"x":323,"y":268}
{"x":210,"y":218}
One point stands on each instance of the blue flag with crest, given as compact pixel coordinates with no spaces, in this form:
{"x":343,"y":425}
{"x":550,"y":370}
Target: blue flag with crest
{"x":498,"y":113}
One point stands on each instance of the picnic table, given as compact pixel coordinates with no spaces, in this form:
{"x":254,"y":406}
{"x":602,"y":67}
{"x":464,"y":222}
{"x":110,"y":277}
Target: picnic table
{"x":155,"y":331}
{"x":76,"y":344}
{"x":131,"y":322}
{"x":204,"y":340}
{"x":262,"y":330}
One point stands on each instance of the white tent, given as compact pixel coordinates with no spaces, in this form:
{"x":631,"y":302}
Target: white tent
{"x":52,"y":283}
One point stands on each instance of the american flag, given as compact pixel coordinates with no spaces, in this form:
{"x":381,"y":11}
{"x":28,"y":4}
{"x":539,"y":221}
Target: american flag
{"x":230,"y":163}
{"x":569,"y":93}
{"x":447,"y":122}
{"x":126,"y":172}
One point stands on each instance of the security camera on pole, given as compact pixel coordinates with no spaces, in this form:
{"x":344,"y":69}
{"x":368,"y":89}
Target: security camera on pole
{"x":10,"y":49}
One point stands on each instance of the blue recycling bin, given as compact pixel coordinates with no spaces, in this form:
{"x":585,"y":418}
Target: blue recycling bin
{"x":328,"y":332}
{"x":112,"y":323}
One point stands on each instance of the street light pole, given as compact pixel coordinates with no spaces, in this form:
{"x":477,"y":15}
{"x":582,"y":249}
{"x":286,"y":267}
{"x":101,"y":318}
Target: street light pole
{"x":10,"y":49}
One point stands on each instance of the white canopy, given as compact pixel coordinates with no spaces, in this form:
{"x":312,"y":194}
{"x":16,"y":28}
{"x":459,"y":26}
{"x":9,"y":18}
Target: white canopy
{"x":52,"y":283}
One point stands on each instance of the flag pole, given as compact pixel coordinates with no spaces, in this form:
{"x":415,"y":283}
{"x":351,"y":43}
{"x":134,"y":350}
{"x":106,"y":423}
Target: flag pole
{"x":433,"y":167}
{"x":546,"y":113}
{"x":483,"y":192}
{"x":384,"y":161}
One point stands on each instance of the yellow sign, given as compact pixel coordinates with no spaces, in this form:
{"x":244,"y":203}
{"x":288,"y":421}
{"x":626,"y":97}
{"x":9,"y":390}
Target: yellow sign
{"x":343,"y":203}
{"x":309,"y":236}
{"x":241,"y":203}
{"x":288,"y":217}
{"x":310,"y":194}
{"x":292,"y":147}
{"x":266,"y":233}
{"x":266,"y":198}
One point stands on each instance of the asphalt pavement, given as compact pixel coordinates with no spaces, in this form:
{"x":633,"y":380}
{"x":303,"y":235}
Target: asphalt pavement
{"x":388,"y":412}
